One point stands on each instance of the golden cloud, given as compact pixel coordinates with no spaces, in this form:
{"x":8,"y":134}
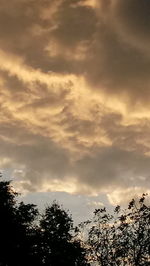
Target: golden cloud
{"x":74,"y":97}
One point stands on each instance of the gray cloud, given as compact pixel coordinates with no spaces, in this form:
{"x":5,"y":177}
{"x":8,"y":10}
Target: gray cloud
{"x":40,"y":158}
{"x":134,"y":18}
{"x":112,"y":167}
{"x":117,"y":64}
{"x":102,"y":169}
{"x":29,"y":26}
{"x":74,"y":25}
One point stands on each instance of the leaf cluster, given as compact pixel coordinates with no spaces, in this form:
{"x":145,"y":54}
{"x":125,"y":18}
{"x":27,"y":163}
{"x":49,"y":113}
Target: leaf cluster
{"x":29,"y":238}
{"x":122,"y":238}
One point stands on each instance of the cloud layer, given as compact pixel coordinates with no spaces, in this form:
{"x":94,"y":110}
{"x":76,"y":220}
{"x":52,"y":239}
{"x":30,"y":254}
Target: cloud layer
{"x":74,"y":95}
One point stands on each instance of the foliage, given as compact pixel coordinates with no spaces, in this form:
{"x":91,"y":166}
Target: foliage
{"x":26,"y":238}
{"x":122,"y":238}
{"x":57,"y":240}
{"x":15,"y":227}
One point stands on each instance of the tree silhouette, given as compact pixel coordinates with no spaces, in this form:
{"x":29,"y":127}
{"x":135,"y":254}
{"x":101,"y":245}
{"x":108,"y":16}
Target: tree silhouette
{"x":15,"y":227}
{"x":57,"y":240}
{"x":27,"y":240}
{"x":122,"y":238}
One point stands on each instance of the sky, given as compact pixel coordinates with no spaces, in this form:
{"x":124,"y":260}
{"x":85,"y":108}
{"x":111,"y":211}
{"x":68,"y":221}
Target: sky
{"x":75,"y":100}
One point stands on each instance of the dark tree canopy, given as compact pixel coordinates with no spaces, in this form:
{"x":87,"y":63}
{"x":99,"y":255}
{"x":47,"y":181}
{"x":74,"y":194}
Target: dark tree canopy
{"x":30,"y":239}
{"x":122,"y":238}
{"x":56,"y":234}
{"x":15,"y":227}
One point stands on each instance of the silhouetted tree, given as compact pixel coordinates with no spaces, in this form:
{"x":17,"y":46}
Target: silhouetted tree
{"x":15,"y":228}
{"x":58,"y":245}
{"x":122,"y":238}
{"x":7,"y":221}
{"x":28,"y":241}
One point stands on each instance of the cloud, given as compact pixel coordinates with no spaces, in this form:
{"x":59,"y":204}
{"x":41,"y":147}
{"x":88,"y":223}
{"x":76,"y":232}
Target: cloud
{"x":36,"y":157}
{"x":96,"y":204}
{"x":124,"y":196}
{"x":134,"y":21}
{"x":111,"y":49}
{"x":110,"y":168}
{"x":64,"y":139}
{"x":74,"y":95}
{"x":116,"y":64}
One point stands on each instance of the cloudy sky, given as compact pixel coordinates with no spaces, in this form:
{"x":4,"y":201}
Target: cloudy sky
{"x":75,"y":100}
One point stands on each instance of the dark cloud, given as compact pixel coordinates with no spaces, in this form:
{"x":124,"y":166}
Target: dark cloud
{"x":74,"y":25}
{"x":112,"y":167}
{"x":43,"y":161}
{"x":134,"y":17}
{"x":22,"y":28}
{"x":127,"y":137}
{"x":40,"y":158}
{"x":27,"y":31}
{"x":117,"y":64}
{"x":114,"y":35}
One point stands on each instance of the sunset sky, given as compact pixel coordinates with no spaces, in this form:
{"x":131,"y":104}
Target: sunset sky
{"x":75,"y":100}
